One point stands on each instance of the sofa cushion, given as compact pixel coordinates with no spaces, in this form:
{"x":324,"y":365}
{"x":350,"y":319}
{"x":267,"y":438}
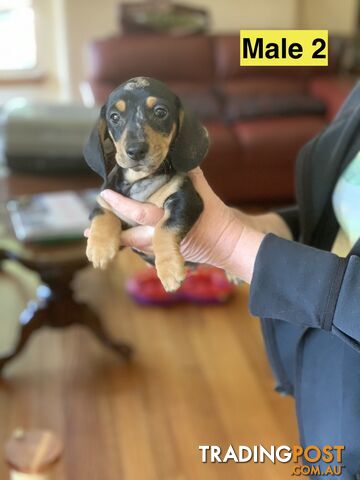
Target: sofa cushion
{"x":270,"y":143}
{"x":239,"y":107}
{"x":254,"y":160}
{"x":119,"y":58}
{"x":202,"y":99}
{"x":222,"y":163}
{"x":268,"y":148}
{"x":268,"y":84}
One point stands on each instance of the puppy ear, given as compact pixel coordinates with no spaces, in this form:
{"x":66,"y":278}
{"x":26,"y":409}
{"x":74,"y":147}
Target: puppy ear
{"x":191,"y":144}
{"x":99,"y":150}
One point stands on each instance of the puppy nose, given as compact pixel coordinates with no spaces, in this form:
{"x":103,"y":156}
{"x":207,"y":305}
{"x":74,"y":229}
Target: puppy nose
{"x":137,"y":151}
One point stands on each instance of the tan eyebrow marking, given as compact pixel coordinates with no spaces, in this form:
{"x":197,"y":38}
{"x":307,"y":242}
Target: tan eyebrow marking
{"x":150,"y":101}
{"x":121,"y":105}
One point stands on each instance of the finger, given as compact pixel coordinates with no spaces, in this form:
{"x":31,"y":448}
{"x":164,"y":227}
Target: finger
{"x":128,"y":209}
{"x":202,"y":186}
{"x":198,"y":179}
{"x":138,"y":237}
{"x":196,"y":173}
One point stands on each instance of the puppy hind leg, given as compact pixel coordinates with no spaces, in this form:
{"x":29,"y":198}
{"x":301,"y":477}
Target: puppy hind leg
{"x":182,"y":209}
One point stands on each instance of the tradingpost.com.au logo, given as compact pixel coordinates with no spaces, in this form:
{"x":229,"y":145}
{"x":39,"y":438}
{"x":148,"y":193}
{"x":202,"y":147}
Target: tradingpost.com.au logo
{"x":304,"y":459}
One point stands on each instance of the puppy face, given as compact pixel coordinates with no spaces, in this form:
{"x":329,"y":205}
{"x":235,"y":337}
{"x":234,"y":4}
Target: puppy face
{"x":142,"y":124}
{"x":142,"y":118}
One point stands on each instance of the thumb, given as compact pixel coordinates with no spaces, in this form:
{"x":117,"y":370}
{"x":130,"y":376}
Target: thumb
{"x":133,"y":210}
{"x":137,"y":237}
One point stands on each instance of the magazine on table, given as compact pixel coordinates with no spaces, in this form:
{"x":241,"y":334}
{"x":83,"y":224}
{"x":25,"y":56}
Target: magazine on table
{"x":51,"y":216}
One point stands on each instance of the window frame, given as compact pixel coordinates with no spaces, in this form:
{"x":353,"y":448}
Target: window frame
{"x":36,"y":74}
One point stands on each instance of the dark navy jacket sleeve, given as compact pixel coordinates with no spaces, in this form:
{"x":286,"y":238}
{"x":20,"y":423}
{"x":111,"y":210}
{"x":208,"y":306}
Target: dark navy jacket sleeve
{"x":308,"y":287}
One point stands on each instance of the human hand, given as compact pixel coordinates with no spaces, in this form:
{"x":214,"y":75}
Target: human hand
{"x":217,"y":238}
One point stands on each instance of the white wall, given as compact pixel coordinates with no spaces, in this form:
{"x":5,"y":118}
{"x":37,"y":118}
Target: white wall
{"x":86,"y":20}
{"x":338,"y":16}
{"x":232,"y":15}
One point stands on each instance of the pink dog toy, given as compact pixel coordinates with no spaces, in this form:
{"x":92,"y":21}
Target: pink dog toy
{"x":205,"y":285}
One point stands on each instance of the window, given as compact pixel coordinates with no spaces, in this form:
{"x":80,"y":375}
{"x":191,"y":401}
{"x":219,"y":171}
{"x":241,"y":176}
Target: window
{"x":17,"y":36}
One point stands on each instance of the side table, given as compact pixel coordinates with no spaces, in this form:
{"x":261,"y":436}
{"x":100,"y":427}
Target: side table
{"x":55,"y":305}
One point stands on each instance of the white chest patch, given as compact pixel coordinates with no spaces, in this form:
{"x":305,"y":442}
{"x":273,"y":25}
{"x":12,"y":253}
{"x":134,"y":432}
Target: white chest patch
{"x":143,"y":189}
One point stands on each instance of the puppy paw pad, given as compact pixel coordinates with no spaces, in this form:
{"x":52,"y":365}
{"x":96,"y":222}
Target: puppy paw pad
{"x":171,"y":274}
{"x":100,"y":254}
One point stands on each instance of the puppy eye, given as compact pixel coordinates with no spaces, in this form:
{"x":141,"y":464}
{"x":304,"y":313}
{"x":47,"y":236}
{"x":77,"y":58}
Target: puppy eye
{"x":160,"y":112}
{"x":115,"y":117}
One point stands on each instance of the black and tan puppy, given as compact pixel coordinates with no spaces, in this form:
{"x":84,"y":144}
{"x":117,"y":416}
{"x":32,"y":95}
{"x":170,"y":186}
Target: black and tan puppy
{"x":143,"y":145}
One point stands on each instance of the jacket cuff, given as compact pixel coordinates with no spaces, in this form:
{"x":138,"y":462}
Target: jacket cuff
{"x":296,"y":283}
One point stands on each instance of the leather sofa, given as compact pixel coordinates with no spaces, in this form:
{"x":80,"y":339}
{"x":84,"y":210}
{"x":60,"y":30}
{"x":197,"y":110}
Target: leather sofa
{"x":257,"y":117}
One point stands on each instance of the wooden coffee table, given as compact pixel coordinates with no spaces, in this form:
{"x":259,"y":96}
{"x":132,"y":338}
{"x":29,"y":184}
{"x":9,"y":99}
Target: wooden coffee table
{"x":56,"y":265}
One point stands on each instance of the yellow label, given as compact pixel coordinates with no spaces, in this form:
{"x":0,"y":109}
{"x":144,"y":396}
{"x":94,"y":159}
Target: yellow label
{"x":278,"y":48}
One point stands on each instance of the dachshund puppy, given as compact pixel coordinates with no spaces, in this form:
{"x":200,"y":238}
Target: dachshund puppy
{"x":143,"y":145}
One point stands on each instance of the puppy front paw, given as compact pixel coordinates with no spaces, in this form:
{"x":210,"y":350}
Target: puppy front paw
{"x":171,"y":272}
{"x":101,"y":251}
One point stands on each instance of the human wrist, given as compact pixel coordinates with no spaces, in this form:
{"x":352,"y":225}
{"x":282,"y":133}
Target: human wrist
{"x":241,"y":261}
{"x":270,"y":222}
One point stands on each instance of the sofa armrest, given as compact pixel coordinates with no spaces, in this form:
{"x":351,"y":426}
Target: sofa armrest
{"x":332,"y":90}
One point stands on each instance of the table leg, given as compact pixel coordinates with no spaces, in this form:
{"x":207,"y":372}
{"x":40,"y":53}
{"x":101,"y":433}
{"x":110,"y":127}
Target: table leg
{"x":92,"y":322}
{"x":57,"y":308}
{"x":31,"y":319}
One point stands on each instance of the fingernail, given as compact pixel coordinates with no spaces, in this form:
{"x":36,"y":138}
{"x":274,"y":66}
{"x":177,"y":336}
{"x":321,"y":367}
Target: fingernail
{"x":104,"y":194}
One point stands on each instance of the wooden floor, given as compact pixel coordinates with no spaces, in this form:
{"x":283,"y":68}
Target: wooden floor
{"x":199,"y":377}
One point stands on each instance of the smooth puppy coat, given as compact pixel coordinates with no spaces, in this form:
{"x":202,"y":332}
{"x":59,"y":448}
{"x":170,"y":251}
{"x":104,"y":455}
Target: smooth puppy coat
{"x":143,"y":145}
